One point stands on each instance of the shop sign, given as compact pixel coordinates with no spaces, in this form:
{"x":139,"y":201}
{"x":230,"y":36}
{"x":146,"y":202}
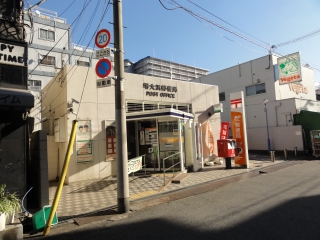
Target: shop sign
{"x":134,"y":165}
{"x":84,"y":142}
{"x":224,"y":130}
{"x":298,"y":88}
{"x":156,"y":90}
{"x":289,"y":68}
{"x":12,"y":54}
{"x":239,"y":129}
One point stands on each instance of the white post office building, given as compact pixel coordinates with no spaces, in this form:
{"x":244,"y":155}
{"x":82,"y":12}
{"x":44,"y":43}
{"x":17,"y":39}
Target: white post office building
{"x":163,"y":117}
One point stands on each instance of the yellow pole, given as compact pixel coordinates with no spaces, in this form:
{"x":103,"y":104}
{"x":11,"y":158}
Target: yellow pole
{"x":62,"y":178}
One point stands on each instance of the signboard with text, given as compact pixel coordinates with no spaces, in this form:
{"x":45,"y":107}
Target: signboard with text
{"x":239,"y":129}
{"x":289,"y":68}
{"x":134,"y":165}
{"x":12,"y":54}
{"x":224,"y":130}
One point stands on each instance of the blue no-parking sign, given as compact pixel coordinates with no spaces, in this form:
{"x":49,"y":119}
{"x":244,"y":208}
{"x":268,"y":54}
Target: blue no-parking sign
{"x":103,"y":68}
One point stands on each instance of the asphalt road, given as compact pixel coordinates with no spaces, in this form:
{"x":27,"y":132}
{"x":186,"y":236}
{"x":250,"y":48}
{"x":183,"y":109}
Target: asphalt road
{"x":284,"y":204}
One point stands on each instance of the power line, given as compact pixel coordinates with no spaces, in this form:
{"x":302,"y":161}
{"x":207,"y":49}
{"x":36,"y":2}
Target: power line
{"x":59,"y":39}
{"x":301,"y":38}
{"x":103,"y":15}
{"x":220,"y":26}
{"x":197,"y":16}
{"x":226,"y":22}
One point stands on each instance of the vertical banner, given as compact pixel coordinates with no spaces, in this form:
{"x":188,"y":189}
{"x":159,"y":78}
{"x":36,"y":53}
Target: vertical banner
{"x":84,"y":142}
{"x":224,"y":130}
{"x":239,"y":128}
{"x":209,"y":139}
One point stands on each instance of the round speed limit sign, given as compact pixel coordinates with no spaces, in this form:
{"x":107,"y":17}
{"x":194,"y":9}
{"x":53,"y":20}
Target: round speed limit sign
{"x":102,"y":38}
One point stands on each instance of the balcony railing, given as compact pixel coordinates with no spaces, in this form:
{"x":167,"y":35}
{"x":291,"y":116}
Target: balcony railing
{"x":46,"y":14}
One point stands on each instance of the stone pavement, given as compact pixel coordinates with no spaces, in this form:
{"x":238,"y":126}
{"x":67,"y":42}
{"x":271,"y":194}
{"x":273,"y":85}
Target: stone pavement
{"x":86,"y":197}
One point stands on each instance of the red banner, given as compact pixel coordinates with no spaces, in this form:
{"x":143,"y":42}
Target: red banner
{"x":224,"y":130}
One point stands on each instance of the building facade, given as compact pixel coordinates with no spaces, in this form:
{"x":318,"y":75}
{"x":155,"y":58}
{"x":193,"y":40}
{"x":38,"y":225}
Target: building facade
{"x":259,"y":80}
{"x":51,"y":47}
{"x":15,"y":100}
{"x":156,"y":67}
{"x":163,"y":117}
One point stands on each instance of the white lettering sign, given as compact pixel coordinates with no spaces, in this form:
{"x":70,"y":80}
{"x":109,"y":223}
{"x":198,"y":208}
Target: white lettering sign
{"x":12,"y":54}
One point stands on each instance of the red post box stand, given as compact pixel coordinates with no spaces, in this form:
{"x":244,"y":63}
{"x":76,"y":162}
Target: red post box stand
{"x":227,"y":150}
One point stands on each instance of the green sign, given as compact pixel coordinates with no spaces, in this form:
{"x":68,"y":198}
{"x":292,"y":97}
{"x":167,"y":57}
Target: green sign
{"x":289,"y":68}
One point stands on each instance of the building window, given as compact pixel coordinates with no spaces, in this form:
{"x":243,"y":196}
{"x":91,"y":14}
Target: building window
{"x":83,"y":63}
{"x":222,"y":96}
{"x":47,"y":60}
{"x":255,"y":89}
{"x":47,"y":34}
{"x":34,"y":85}
{"x":13,"y":76}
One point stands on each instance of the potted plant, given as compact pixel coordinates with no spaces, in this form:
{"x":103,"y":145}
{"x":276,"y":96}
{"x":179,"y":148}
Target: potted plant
{"x":9,"y":204}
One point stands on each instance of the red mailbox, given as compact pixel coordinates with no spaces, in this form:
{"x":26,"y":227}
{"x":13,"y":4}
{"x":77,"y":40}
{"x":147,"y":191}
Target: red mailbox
{"x":226,"y":148}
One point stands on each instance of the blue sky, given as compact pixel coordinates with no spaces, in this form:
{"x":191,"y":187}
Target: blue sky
{"x":151,"y":30}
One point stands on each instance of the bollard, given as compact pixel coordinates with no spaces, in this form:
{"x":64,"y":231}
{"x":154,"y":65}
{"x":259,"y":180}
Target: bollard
{"x":272,"y":157}
{"x":228,"y":163}
{"x":295,"y":151}
{"x":285,"y":154}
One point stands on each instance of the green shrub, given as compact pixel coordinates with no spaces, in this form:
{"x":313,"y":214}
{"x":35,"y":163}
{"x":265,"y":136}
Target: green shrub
{"x":9,"y":202}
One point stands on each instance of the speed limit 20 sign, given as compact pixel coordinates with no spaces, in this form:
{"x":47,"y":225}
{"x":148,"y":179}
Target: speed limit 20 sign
{"x":102,"y":38}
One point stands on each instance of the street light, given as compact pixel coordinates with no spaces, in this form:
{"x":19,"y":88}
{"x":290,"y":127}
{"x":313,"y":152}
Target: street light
{"x":265,"y":101}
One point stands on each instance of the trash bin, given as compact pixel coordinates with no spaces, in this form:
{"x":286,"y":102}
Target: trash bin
{"x":40,"y":218}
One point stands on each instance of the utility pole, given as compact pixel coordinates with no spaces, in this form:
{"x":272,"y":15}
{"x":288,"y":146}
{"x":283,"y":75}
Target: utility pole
{"x":121,"y":128}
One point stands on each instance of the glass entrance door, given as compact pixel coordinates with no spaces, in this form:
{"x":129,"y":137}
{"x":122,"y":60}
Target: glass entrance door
{"x":148,"y":142}
{"x":169,"y":143}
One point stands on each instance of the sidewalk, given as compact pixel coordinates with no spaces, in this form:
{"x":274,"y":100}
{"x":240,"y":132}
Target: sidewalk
{"x":85,"y":197}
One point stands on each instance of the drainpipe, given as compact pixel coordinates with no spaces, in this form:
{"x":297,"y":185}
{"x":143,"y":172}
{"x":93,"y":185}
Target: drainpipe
{"x":70,"y":45}
{"x":279,"y":105}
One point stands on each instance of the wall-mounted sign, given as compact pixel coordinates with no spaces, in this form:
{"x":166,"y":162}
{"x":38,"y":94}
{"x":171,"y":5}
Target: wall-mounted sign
{"x":298,"y":88}
{"x":12,"y":54}
{"x":160,"y":90}
{"x":84,"y":142}
{"x":289,"y":68}
{"x":239,"y":129}
{"x":106,"y":52}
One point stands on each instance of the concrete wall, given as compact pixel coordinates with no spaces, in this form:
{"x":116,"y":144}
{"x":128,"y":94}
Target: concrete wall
{"x":285,"y":137}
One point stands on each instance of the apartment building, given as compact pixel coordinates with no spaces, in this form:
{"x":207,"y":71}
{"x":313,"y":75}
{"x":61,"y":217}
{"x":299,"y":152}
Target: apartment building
{"x":51,"y":47}
{"x":156,"y":67}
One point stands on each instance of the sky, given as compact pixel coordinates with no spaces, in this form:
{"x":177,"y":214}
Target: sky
{"x":178,"y":36}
